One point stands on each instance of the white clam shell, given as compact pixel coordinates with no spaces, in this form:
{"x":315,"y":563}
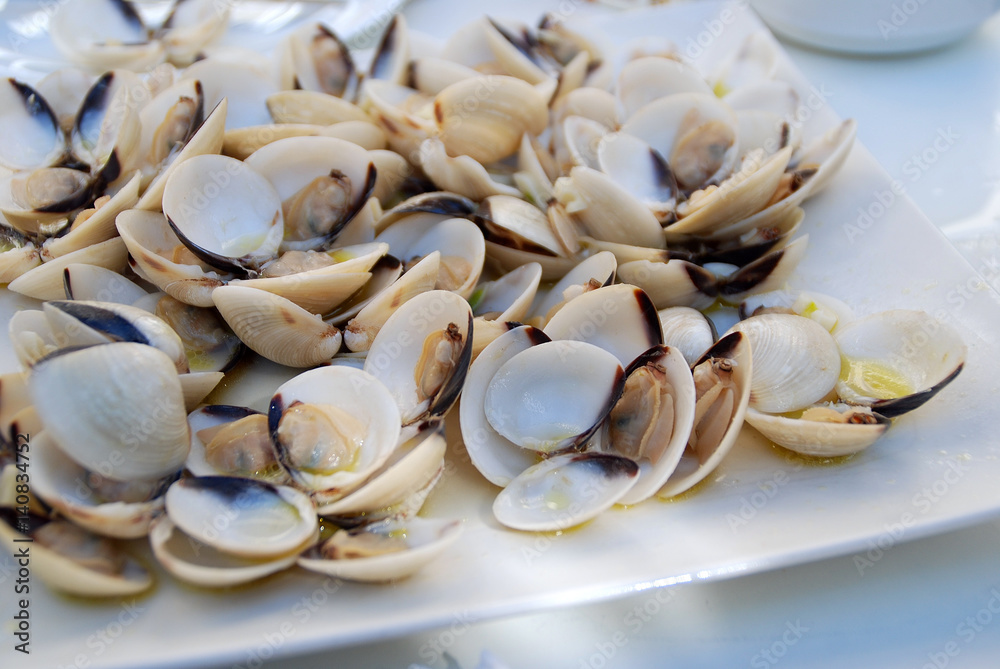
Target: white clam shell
{"x":715,"y":440}
{"x":203,"y":565}
{"x":653,"y":475}
{"x":61,"y":572}
{"x":795,"y":361}
{"x":896,"y":360}
{"x":96,"y":404}
{"x":242,"y":517}
{"x":814,"y":438}
{"x":427,"y":539}
{"x":554,"y":395}
{"x":356,"y":393}
{"x":496,"y":458}
{"x":688,"y":330}
{"x":398,"y":347}
{"x":225,"y":208}
{"x":618,"y":318}
{"x":564,"y":491}
{"x":62,"y":483}
{"x":276,"y":327}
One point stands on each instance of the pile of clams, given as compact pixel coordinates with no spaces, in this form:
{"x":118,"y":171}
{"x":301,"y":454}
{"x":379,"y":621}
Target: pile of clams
{"x":549,"y":236}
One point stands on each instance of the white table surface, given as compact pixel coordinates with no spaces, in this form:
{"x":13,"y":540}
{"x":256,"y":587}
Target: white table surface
{"x":917,"y":604}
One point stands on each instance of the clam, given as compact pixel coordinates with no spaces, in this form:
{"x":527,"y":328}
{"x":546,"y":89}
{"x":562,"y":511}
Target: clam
{"x":688,"y":330}
{"x":104,"y":34}
{"x":641,"y":170}
{"x":460,"y":243}
{"x":276,"y":327}
{"x":896,"y":360}
{"x":322,"y":183}
{"x":652,"y":420}
{"x":498,"y":459}
{"x":31,"y":137}
{"x":484,"y":118}
{"x":536,"y":398}
{"x":722,"y":378}
{"x":607,"y":211}
{"x":168,"y":122}
{"x":383,"y":551}
{"x":113,"y":506}
{"x":315,"y":59}
{"x":564,"y":491}
{"x":221,"y":531}
{"x":618,"y":318}
{"x":72,"y":560}
{"x":422,"y":354}
{"x":190,"y":26}
{"x":116,"y":409}
{"x":225,"y":212}
{"x":333,"y":427}
{"x":233,"y":441}
{"x":40,"y":202}
{"x":694,"y":132}
{"x":242,"y":516}
{"x":828,"y":430}
{"x":77,"y":323}
{"x":795,"y":360}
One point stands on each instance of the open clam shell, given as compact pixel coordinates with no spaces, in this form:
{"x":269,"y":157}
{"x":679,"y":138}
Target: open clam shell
{"x":69,"y":559}
{"x":242,"y":517}
{"x":896,"y":360}
{"x":618,"y":318}
{"x":826,"y":431}
{"x":553,"y":396}
{"x":333,"y":427}
{"x":205,"y":566}
{"x":31,"y":135}
{"x":323,"y":183}
{"x":694,"y":132}
{"x":383,"y":551}
{"x":85,"y":323}
{"x":233,"y":441}
{"x":225,"y":212}
{"x":423,"y":352}
{"x":722,"y":389}
{"x":496,"y":458}
{"x":652,"y":420}
{"x":76,"y":493}
{"x":564,"y":491}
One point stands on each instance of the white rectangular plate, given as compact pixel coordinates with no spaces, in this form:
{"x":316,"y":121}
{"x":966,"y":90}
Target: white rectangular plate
{"x":936,"y":469}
